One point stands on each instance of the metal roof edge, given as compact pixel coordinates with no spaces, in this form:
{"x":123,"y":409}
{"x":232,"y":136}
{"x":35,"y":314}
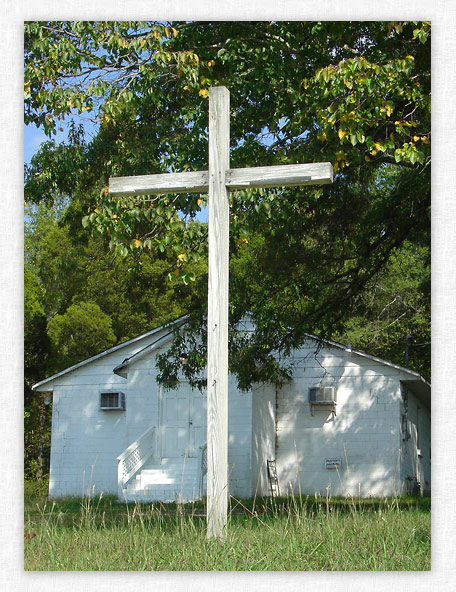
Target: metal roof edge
{"x":107,"y":352}
{"x":120,"y":369}
{"x":363,"y":354}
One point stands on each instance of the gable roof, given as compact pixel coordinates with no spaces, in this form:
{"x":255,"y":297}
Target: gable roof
{"x":419,"y":385}
{"x":144,"y":336}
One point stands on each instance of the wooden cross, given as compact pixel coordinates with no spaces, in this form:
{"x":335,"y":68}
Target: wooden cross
{"x":218,"y":181}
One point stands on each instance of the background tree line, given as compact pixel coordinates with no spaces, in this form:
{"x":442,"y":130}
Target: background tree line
{"x":348,"y":261}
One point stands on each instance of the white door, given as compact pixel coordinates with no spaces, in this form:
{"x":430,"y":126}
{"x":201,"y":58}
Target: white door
{"x":198,"y":416}
{"x":183,"y":422}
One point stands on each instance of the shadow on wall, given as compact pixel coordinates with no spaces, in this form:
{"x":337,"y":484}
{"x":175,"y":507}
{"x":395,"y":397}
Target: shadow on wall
{"x":361,"y":443}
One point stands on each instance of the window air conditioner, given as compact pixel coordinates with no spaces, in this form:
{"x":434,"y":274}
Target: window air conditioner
{"x":322,"y":394}
{"x":112,"y":401}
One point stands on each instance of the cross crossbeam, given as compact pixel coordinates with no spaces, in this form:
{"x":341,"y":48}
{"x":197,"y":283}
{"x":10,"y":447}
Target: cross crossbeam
{"x":218,"y":181}
{"x":235,"y":179}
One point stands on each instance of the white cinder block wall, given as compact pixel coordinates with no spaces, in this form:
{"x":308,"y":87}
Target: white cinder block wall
{"x":143,"y":398}
{"x":239,"y":440}
{"x":86,"y":441}
{"x":365,"y":433}
{"x":263,"y":437}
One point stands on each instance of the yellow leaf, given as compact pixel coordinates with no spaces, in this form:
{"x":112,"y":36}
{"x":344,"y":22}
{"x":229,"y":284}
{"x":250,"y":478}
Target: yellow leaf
{"x":342,"y":133}
{"x":203,"y":92}
{"x":181,"y":257}
{"x":199,"y":202}
{"x":106,"y":190}
{"x":367,"y":158}
{"x":416,"y":138}
{"x":167,"y":31}
{"x":137,"y":243}
{"x":174,"y":31}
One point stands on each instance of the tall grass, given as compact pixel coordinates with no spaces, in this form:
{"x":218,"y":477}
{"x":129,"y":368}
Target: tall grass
{"x":293,"y":533}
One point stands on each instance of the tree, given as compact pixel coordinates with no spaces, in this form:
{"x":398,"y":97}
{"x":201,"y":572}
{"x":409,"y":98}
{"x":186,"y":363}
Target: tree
{"x":70,"y":282}
{"x":36,"y":348}
{"x":69,"y":269}
{"x":84,"y":330}
{"x":396,"y":304}
{"x":355,"y":94}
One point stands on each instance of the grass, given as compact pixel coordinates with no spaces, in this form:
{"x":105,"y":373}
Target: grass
{"x":286,"y":534}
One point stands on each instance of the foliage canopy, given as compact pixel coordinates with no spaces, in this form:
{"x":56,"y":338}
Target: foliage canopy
{"x":357,"y":95}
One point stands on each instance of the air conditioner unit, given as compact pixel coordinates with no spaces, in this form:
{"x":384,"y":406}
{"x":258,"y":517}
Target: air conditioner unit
{"x":112,"y":401}
{"x":323,"y":396}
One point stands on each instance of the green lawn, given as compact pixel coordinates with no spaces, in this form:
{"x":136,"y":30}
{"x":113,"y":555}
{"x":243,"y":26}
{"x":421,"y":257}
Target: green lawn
{"x":289,"y":534}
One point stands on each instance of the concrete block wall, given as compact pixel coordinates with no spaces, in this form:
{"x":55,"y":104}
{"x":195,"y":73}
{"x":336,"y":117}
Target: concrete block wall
{"x":86,"y":440}
{"x":263,"y":437}
{"x":239,"y":440}
{"x":143,"y":398}
{"x":364,"y":434}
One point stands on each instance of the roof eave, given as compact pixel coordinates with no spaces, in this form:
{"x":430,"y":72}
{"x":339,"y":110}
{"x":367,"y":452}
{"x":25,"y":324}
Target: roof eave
{"x":46,"y":382}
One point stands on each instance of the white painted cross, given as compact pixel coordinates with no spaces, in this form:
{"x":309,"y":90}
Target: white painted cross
{"x":218,"y":181}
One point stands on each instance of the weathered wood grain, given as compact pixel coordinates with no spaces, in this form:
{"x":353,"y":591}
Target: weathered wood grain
{"x":191,"y":182}
{"x":198,"y":181}
{"x":217,"y":326}
{"x":280,"y":176}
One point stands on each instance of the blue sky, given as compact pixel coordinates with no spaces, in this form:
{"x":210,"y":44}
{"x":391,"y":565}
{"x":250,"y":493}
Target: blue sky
{"x":32,"y":140}
{"x":34,"y":137}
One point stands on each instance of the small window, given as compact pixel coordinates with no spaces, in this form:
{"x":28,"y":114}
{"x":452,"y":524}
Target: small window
{"x":112,"y":401}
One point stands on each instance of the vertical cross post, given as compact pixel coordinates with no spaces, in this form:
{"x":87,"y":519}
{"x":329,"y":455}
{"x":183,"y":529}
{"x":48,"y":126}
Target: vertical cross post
{"x":217,"y":323}
{"x":219,"y":180}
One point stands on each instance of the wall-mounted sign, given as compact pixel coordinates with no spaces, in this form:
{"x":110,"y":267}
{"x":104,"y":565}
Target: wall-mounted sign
{"x":333,"y":463}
